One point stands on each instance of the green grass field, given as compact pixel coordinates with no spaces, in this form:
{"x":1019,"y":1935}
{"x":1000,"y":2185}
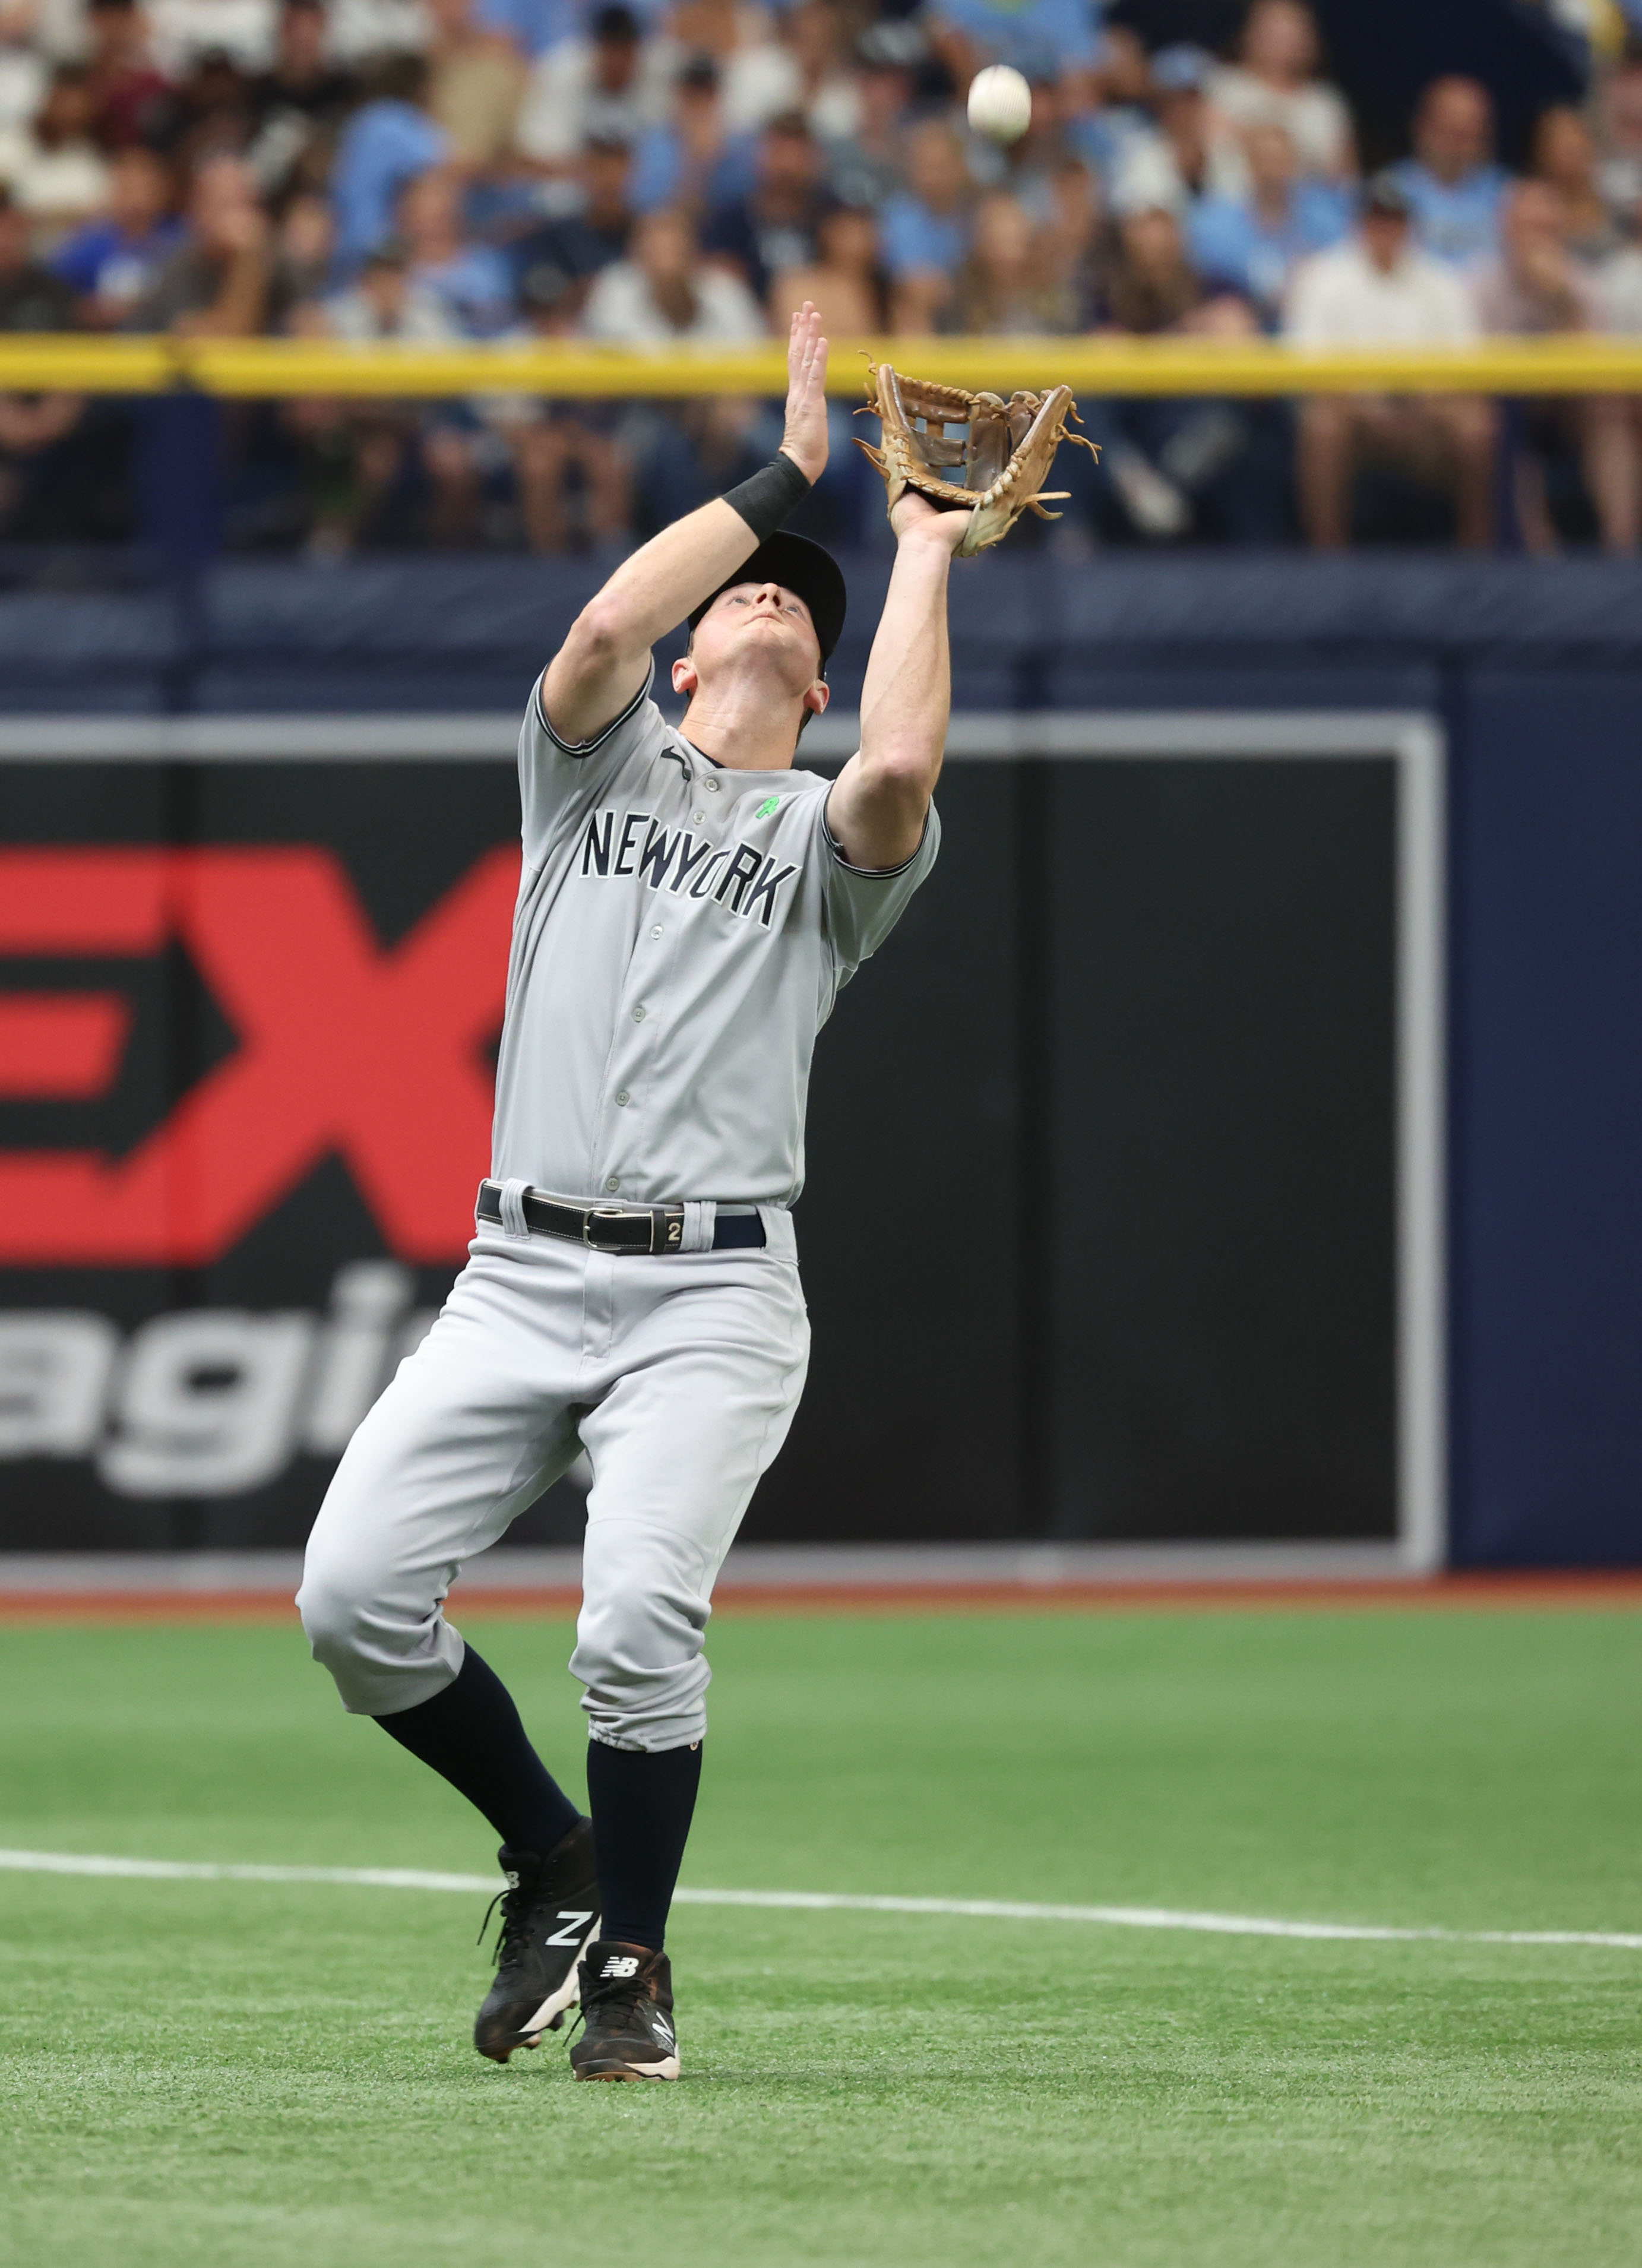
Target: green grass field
{"x":204,"y":2072}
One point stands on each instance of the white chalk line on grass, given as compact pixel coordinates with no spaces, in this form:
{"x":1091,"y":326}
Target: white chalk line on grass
{"x":407,"y":1878}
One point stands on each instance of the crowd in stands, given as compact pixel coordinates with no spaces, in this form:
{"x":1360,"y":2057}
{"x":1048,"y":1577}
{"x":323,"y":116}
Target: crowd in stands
{"x":647,"y":171}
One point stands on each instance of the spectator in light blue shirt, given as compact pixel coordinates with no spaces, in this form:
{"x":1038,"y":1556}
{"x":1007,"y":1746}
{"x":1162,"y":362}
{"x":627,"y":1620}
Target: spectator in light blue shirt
{"x":1039,"y":37}
{"x":1250,"y":244}
{"x":915,"y":237}
{"x":925,"y":229}
{"x":693,"y":159}
{"x":1453,"y":188}
{"x":472,"y":283}
{"x":386,"y":143}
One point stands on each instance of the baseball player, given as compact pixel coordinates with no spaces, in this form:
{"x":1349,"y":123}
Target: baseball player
{"x":690,"y":906}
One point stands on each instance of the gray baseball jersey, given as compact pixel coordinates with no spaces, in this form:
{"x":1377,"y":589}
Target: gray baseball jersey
{"x":681,"y":934}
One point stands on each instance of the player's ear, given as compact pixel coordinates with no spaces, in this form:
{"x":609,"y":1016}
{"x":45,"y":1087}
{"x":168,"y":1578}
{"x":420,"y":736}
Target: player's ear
{"x":684,"y":677}
{"x":818,"y":696}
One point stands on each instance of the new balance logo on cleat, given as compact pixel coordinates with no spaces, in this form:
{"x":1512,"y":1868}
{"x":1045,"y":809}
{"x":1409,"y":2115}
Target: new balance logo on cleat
{"x":549,"y":1915}
{"x":627,"y":2013}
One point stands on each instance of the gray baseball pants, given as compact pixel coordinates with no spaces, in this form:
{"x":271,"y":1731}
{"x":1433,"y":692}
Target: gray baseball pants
{"x":679,"y":1375}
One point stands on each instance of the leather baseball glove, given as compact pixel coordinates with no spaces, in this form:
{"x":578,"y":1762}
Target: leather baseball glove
{"x":1007,"y":451}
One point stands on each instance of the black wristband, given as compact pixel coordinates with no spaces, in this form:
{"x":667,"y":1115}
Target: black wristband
{"x":773,"y":490}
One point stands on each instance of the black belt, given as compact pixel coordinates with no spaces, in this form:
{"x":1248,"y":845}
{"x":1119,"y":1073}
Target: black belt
{"x":618,"y":1228}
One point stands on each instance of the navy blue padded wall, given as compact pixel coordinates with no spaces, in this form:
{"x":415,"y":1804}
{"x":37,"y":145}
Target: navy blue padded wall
{"x":1546,"y":1055}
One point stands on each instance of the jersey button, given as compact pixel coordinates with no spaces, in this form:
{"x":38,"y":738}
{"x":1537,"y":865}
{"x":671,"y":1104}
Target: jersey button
{"x":614,"y":1183}
{"x":623,"y":1099}
{"x":699,"y":818}
{"x":711,"y":787}
{"x":657,"y":930}
{"x":639,"y":1016}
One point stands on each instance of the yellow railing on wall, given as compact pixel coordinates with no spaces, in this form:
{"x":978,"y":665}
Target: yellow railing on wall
{"x":573,"y":368}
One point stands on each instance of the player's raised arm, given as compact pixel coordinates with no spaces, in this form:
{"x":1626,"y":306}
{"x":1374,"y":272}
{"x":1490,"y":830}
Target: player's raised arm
{"x":601,"y":664}
{"x":881,"y":800}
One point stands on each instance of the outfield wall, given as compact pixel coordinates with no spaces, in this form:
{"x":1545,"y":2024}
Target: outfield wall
{"x":1125,"y":1213}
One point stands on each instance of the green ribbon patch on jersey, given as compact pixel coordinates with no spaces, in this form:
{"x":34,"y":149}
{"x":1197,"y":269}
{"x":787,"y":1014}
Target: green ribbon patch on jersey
{"x":770,"y":803}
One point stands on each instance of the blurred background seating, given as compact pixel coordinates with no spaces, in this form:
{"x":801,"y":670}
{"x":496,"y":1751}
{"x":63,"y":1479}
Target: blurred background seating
{"x":690,"y":169}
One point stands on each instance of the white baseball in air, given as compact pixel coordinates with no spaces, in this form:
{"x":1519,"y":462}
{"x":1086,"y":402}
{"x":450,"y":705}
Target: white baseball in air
{"x":1000,"y":103}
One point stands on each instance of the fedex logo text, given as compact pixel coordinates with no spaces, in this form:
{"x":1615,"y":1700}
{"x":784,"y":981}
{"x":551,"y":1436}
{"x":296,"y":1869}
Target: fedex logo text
{"x":345,"y":1049}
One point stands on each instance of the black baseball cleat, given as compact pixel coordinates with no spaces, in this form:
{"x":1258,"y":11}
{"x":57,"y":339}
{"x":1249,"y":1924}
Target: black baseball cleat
{"x":549,"y":1913}
{"x":627,"y":2008}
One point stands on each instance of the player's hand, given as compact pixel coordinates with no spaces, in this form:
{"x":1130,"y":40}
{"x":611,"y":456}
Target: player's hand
{"x":917,"y":520}
{"x":804,"y":439}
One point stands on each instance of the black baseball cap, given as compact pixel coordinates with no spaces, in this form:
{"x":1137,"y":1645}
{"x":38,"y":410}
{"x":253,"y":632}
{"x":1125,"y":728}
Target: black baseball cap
{"x":799,"y":565}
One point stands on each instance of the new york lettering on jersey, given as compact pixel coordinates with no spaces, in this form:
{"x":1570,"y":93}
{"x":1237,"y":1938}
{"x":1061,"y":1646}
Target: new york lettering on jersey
{"x":740,"y":876}
{"x":682,"y":932}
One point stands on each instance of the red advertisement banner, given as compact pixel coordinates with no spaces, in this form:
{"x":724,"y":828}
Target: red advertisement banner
{"x":345,"y":1048}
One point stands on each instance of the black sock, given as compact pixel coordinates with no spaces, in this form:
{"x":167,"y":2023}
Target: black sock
{"x":471,"y":1734}
{"x":642,"y":1802}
